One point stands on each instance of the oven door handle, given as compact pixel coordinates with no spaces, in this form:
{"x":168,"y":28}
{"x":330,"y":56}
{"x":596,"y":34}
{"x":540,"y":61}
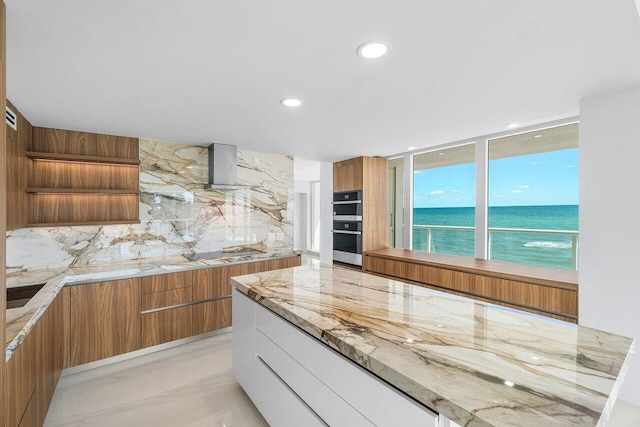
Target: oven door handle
{"x":346,"y":232}
{"x":347,"y":202}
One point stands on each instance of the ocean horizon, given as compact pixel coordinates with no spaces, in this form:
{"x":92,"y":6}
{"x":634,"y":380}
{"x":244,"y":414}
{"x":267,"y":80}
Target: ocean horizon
{"x":545,"y":249}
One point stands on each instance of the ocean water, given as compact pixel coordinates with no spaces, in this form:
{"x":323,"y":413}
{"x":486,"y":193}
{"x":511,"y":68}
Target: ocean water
{"x":545,"y":249}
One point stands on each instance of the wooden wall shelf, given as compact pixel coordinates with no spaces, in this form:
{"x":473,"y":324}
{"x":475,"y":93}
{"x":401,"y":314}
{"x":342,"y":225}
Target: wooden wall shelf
{"x":78,"y":191}
{"x":80,"y":178}
{"x":39,"y":155}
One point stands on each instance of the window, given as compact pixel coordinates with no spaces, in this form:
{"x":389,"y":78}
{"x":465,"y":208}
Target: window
{"x":314,"y":238}
{"x":533,"y":197}
{"x":527,"y":211}
{"x":444,"y":201}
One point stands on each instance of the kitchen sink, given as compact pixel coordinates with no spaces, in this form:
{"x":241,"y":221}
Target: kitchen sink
{"x":20,"y":296}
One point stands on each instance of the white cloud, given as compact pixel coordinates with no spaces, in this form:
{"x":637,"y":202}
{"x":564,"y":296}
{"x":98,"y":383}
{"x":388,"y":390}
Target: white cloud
{"x":570,"y":166}
{"x":535,"y":163}
{"x":436,"y":193}
{"x":442,"y":184}
{"x":418,"y":172}
{"x":517,"y":191}
{"x":455,"y":191}
{"x":522,"y":187}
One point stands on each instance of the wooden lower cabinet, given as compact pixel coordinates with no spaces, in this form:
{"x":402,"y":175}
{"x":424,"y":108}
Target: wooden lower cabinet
{"x":211,"y":316}
{"x":167,"y":325}
{"x":547,"y":297}
{"x":104,"y":320}
{"x":34,"y":370}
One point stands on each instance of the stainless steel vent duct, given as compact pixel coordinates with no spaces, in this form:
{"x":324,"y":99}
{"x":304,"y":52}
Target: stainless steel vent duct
{"x":223,"y":167}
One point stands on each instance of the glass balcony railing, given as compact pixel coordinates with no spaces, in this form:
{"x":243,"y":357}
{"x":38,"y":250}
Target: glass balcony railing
{"x":548,"y":248}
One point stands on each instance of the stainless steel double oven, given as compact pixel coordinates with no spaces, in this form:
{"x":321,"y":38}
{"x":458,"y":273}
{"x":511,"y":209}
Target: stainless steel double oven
{"x":347,"y":227}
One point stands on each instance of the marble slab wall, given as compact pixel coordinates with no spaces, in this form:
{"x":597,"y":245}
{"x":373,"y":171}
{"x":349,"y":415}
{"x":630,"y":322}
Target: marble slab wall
{"x":178,"y":215}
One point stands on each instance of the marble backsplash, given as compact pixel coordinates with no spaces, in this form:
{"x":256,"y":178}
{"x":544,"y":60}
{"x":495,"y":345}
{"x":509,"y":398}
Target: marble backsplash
{"x":178,"y":216}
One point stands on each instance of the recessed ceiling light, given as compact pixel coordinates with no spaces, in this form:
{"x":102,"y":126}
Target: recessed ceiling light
{"x":373,"y":49}
{"x":291,"y":102}
{"x":537,"y":136}
{"x":513,"y":125}
{"x":411,"y":148}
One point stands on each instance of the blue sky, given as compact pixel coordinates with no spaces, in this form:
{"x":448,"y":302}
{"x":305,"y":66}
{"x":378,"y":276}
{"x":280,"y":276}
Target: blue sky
{"x":532,"y":180}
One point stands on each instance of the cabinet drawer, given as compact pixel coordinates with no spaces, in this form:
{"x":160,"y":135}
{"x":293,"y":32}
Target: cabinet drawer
{"x":286,"y":336}
{"x":164,"y":282}
{"x":211,"y":316}
{"x":291,"y":372}
{"x":166,"y":298}
{"x":167,"y":325}
{"x":333,"y":409}
{"x":364,"y":391}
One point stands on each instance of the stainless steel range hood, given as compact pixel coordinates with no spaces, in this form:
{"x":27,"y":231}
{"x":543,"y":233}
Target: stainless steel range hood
{"x":223,"y":167}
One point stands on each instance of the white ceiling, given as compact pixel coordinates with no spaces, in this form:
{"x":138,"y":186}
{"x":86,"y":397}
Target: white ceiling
{"x":199,"y":71}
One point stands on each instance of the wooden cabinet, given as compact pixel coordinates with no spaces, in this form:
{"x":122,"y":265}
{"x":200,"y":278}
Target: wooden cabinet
{"x":79,"y":178}
{"x":348,"y":175}
{"x":539,"y":290}
{"x":17,"y":170}
{"x":104,"y":320}
{"x":371,"y":176}
{"x":164,"y":316}
{"x":34,"y":370}
{"x":213,"y":284}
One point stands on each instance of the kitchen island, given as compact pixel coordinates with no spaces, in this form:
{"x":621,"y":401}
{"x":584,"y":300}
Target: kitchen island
{"x":378,"y":349}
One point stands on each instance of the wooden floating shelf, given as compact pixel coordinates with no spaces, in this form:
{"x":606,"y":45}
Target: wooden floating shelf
{"x":79,"y":191}
{"x":79,"y":224}
{"x":38,"y":155}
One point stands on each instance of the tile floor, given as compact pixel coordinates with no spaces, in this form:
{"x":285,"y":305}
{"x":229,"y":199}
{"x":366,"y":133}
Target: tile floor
{"x":189,"y":385}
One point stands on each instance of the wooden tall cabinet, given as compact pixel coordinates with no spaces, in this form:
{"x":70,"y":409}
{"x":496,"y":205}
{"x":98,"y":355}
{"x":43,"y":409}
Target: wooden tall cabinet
{"x":371,"y":176}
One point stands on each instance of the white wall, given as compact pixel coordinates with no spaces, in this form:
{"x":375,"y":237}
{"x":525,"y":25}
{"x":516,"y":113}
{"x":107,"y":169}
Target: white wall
{"x":326,"y":212}
{"x":300,"y":221}
{"x":609,"y":214}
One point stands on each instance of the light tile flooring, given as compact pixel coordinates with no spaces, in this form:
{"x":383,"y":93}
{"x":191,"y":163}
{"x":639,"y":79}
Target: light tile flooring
{"x":189,"y":385}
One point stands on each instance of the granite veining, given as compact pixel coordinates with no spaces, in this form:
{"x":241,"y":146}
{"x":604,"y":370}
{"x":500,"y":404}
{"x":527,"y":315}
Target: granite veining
{"x":178,"y":216}
{"x":476,"y":363}
{"x":21,"y":320}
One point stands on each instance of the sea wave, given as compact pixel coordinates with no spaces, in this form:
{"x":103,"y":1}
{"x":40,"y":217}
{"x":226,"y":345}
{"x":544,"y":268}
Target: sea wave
{"x":550,"y":245}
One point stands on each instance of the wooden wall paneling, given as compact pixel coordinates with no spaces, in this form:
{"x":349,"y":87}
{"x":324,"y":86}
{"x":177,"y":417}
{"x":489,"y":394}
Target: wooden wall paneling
{"x":167,"y":325}
{"x":83,"y":176}
{"x":211,"y":316}
{"x":3,"y":215}
{"x":82,"y":209}
{"x":17,"y":170}
{"x":105,"y":320}
{"x":168,"y":298}
{"x":164,"y":282}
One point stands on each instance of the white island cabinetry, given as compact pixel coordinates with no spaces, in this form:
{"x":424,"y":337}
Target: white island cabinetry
{"x":294,"y":380}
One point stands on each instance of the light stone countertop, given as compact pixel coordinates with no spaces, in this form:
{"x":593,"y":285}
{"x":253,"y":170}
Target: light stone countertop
{"x":476,"y":363}
{"x":22,"y":319}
